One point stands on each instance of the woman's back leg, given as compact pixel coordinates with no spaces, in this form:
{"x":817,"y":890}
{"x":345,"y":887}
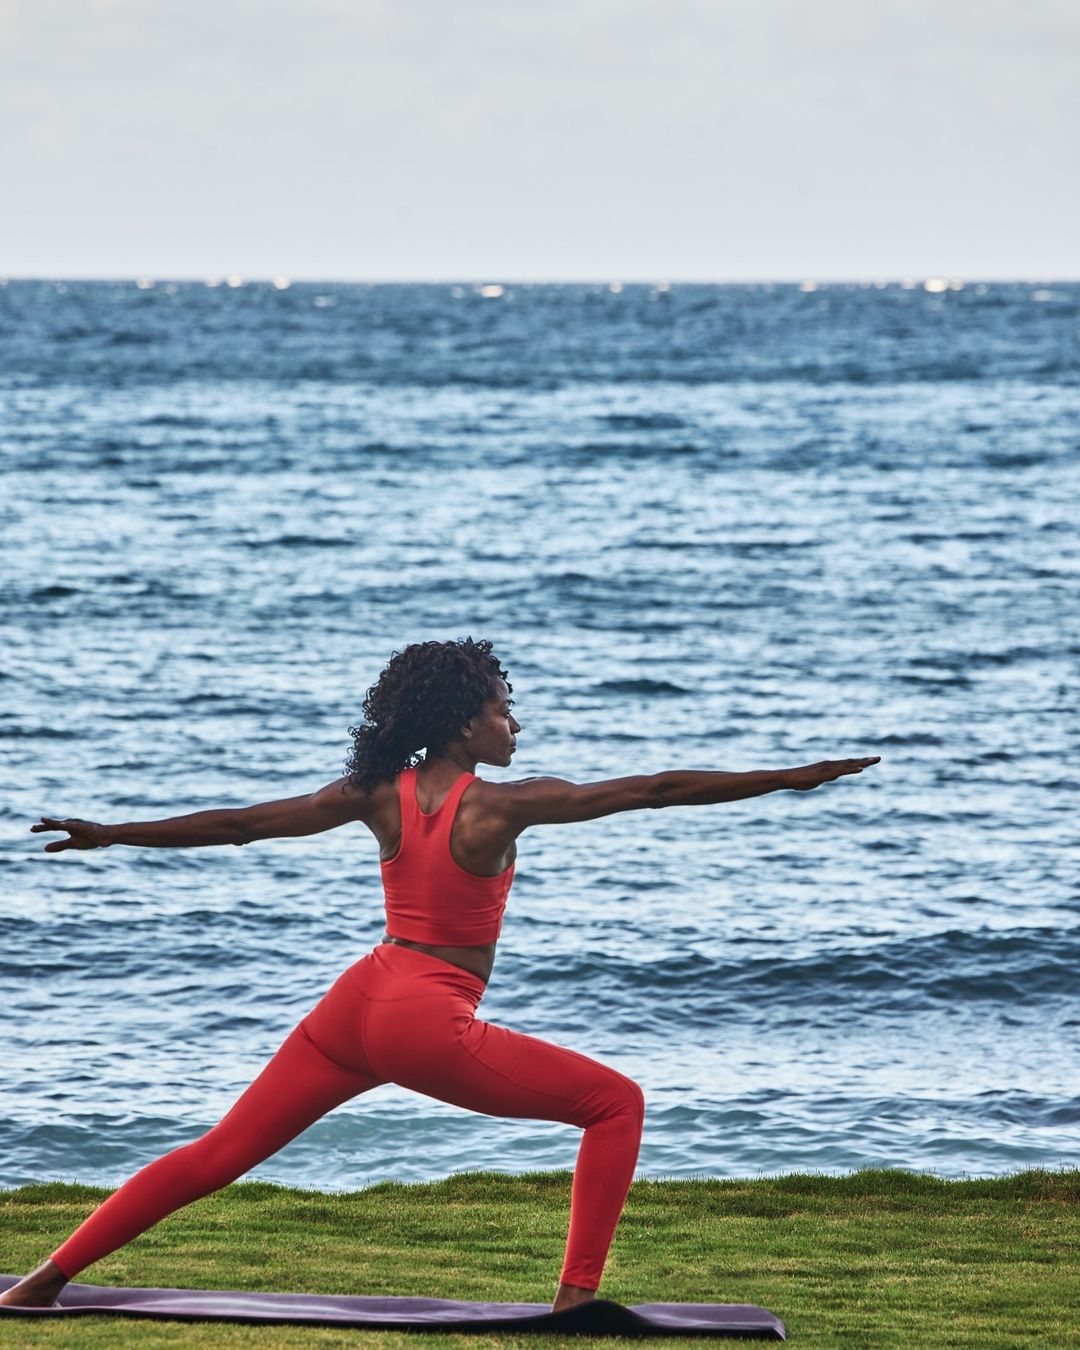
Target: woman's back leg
{"x":298,"y":1086}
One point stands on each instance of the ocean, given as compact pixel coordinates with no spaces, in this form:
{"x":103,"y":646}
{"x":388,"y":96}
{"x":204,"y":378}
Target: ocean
{"x":706,"y":526}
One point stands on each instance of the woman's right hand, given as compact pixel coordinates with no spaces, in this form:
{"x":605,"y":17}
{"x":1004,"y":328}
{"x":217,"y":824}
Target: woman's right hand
{"x":84,"y":834}
{"x":813,"y":775}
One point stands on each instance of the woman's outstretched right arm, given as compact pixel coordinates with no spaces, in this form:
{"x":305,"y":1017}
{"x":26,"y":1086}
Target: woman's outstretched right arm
{"x":554,"y":801}
{"x":333,"y":805}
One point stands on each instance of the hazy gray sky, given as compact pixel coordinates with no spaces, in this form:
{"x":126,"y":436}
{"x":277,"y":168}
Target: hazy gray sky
{"x":499,"y":140}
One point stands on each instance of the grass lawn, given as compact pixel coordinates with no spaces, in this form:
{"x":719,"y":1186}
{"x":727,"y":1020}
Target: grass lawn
{"x":877,"y":1258}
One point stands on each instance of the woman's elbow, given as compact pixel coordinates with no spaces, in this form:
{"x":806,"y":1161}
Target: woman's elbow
{"x":243,"y":827}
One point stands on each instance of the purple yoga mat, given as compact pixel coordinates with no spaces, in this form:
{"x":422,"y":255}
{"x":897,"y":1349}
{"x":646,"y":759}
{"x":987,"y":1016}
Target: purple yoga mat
{"x":601,"y":1317}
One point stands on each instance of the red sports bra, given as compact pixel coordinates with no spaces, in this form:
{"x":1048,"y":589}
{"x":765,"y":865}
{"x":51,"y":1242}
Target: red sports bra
{"x":430,"y":897}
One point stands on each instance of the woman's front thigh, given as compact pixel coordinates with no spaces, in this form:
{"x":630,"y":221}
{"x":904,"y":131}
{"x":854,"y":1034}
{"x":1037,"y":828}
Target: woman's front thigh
{"x":483,"y":1067}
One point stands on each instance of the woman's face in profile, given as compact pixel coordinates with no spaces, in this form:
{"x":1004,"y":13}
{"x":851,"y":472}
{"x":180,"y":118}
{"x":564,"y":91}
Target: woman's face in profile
{"x":495,"y":728}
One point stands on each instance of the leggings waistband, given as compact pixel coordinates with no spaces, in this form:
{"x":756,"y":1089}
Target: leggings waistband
{"x":409,"y":956}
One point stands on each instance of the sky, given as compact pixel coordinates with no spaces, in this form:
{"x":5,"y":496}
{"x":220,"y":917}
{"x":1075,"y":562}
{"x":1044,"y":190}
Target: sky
{"x":541,"y":140}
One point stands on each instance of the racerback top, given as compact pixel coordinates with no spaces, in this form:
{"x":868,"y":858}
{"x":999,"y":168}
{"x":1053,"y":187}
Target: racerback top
{"x":430,"y":897}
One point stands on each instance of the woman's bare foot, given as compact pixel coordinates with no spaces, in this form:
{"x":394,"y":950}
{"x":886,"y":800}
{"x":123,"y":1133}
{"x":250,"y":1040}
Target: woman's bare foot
{"x":36,"y":1290}
{"x":570,"y":1295}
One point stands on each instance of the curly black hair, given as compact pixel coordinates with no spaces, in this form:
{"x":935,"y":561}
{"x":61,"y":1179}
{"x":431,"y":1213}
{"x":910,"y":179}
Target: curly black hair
{"x":423,"y":698}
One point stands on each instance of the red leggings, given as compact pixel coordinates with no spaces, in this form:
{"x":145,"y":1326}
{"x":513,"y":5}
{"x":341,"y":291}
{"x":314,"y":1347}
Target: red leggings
{"x":398,"y":1016}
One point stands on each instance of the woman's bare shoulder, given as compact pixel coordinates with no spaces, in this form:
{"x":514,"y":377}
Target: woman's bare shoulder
{"x":360,"y":802}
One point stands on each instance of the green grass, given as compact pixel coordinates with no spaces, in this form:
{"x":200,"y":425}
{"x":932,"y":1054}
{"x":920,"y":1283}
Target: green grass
{"x":877,"y":1258}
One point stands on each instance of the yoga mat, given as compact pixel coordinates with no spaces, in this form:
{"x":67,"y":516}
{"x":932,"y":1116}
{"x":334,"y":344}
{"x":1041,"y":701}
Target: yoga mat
{"x":602,"y":1317}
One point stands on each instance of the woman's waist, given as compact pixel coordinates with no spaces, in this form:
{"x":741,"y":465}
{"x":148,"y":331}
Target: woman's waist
{"x":475,"y":959}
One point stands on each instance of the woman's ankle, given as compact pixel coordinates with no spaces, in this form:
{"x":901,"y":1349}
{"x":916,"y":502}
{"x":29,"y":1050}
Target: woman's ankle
{"x":570,"y":1295}
{"x":38,"y":1289}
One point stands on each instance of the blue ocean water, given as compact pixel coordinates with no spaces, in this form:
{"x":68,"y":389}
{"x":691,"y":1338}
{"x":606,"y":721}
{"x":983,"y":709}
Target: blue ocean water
{"x":727,"y":527}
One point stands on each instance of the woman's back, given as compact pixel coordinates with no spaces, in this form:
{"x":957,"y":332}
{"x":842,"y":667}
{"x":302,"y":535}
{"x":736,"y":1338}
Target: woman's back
{"x":430,"y":896}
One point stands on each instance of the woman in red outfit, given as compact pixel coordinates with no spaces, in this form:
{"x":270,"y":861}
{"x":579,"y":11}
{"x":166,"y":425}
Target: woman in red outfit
{"x":406,"y":1012}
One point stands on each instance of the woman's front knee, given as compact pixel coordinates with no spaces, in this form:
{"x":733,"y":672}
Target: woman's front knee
{"x":635,"y":1099}
{"x":625,"y":1101}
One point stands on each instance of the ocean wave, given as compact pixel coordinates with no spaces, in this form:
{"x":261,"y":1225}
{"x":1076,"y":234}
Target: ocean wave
{"x":639,"y":686}
{"x":1015,"y":967}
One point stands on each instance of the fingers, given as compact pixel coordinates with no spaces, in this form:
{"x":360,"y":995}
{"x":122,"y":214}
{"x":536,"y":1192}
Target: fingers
{"x":51,"y":823}
{"x":839,"y":768}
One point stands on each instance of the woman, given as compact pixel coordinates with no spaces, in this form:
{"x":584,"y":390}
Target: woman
{"x":405,"y":1012}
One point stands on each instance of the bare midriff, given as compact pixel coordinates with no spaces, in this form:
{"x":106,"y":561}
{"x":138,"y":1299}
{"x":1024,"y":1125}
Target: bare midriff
{"x":476,"y":960}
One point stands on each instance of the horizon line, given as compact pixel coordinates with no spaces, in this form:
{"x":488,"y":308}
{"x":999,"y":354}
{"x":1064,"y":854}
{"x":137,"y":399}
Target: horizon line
{"x":236,"y":280}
